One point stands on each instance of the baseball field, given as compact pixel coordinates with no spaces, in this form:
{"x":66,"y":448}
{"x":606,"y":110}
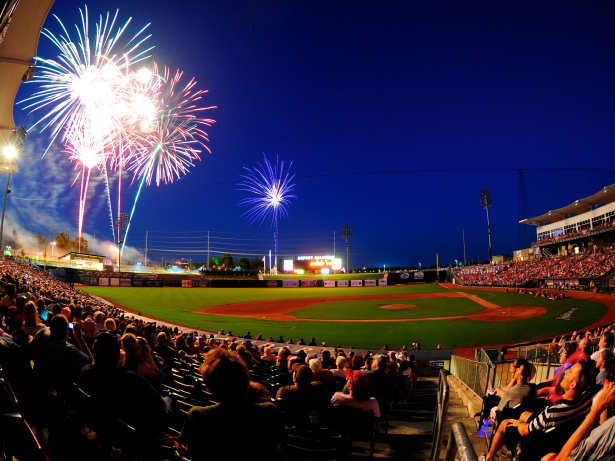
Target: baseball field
{"x":369,"y":317}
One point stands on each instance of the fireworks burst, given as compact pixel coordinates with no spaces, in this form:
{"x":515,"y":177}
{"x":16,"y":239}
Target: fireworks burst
{"x":111,"y":117}
{"x":87,"y":77}
{"x":171,"y":135}
{"x":272,"y":189}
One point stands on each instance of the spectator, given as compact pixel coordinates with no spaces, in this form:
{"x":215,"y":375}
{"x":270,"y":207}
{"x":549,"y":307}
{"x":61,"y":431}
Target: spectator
{"x":31,"y":323}
{"x":575,"y":403}
{"x":358,"y":396}
{"x":324,"y":376}
{"x":305,"y":391}
{"x":52,"y":351}
{"x":381,"y":385}
{"x":121,"y":393}
{"x":340,"y":370}
{"x":205,"y":431}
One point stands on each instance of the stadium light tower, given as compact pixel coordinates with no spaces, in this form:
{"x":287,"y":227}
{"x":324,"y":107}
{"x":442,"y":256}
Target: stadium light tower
{"x":485,"y":202}
{"x":347,"y":235}
{"x":11,"y":149}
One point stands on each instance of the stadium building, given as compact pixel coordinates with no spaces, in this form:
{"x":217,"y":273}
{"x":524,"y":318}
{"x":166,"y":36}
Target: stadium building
{"x":585,"y":225}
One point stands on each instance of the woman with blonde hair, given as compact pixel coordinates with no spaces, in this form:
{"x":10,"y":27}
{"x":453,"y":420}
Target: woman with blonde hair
{"x":31,"y":323}
{"x":138,"y":358}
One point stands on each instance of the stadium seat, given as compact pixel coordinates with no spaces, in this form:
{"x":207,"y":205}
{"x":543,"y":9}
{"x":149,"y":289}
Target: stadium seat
{"x":18,"y":441}
{"x":356,"y":423}
{"x":316,"y":445}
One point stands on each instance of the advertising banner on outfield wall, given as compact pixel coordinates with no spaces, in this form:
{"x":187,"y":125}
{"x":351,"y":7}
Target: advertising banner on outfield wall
{"x":103,"y":282}
{"x":342,"y":283}
{"x":370,"y":283}
{"x":186,"y":283}
{"x":291,"y":284}
{"x":94,"y":281}
{"x":356,"y":283}
{"x":309,"y":283}
{"x":382,"y":282}
{"x":125,"y":282}
{"x":137,"y":283}
{"x":114,"y":282}
{"x":153,"y":283}
{"x":329,"y":283}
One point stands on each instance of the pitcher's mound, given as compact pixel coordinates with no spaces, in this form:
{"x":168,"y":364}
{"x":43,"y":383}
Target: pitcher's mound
{"x":397,"y":306}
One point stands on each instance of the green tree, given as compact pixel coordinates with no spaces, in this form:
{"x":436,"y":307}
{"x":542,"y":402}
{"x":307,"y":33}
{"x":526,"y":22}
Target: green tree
{"x":13,"y":241}
{"x":42,"y":242}
{"x":256,"y":264}
{"x":244,"y":263}
{"x":226,"y":259}
{"x":84,"y":245}
{"x":63,"y":241}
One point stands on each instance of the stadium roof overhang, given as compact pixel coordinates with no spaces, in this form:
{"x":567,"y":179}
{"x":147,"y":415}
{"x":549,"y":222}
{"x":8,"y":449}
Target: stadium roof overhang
{"x":21,"y":22}
{"x":602,"y":197}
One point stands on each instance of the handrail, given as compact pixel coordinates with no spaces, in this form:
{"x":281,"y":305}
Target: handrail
{"x":439,"y":422}
{"x":473,"y":374}
{"x":459,"y":442}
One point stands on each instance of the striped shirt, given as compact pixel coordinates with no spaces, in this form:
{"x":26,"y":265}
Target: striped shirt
{"x":562,"y":411}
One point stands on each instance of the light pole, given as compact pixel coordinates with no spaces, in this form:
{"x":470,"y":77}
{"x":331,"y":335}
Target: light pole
{"x":10,"y":152}
{"x":485,"y":202}
{"x":53,"y":244}
{"x":347,"y":235}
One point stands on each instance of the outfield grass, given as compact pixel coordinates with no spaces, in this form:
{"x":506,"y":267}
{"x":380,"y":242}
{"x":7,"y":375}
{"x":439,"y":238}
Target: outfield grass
{"x":177,"y":305}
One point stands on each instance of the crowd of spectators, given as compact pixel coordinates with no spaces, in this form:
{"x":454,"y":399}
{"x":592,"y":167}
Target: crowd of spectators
{"x":127,"y":365}
{"x":584,"y":265}
{"x":574,"y":233}
{"x":568,"y":416}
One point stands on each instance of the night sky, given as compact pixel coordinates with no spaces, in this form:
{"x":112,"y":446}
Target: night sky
{"x":394,"y":114}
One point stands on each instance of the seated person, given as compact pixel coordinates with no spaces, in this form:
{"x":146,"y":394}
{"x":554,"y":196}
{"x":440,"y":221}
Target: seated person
{"x":307,"y":392}
{"x":121,"y":393}
{"x":605,"y":343}
{"x":513,"y":367}
{"x":576,"y":402}
{"x":381,"y":384}
{"x":603,"y":364}
{"x":588,"y":444}
{"x":340,"y":370}
{"x":52,"y":351}
{"x":358,"y":397}
{"x":522,"y":392}
{"x":205,"y":434}
{"x":324,"y":376}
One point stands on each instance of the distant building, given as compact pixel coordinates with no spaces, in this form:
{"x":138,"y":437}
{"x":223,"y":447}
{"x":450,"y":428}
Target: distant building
{"x":585,"y":225}
{"x":499,"y":259}
{"x":83,"y":261}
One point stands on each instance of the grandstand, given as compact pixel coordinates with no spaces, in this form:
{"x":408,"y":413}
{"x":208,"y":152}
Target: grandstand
{"x":56,"y":404}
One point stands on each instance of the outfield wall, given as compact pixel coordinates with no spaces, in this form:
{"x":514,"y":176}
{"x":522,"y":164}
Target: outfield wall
{"x":223,"y":283}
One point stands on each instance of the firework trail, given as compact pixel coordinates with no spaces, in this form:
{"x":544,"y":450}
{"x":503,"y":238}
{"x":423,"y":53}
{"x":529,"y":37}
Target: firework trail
{"x":171,"y":133}
{"x":113,"y":118}
{"x":87,"y":76}
{"x":83,"y":90}
{"x":272,"y":189}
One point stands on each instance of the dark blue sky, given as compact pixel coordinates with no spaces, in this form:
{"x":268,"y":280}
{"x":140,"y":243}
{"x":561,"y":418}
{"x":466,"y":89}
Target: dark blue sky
{"x":455,"y":96}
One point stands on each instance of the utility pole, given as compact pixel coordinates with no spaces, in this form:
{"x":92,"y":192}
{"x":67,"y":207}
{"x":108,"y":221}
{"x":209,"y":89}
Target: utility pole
{"x":122,"y":222}
{"x":347,"y":234}
{"x":465,"y":263}
{"x":334,"y":247}
{"x":485,"y":202}
{"x":207,"y":251}
{"x":145,"y":262}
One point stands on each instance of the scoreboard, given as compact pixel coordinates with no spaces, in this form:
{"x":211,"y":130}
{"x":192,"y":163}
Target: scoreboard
{"x":309,"y":264}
